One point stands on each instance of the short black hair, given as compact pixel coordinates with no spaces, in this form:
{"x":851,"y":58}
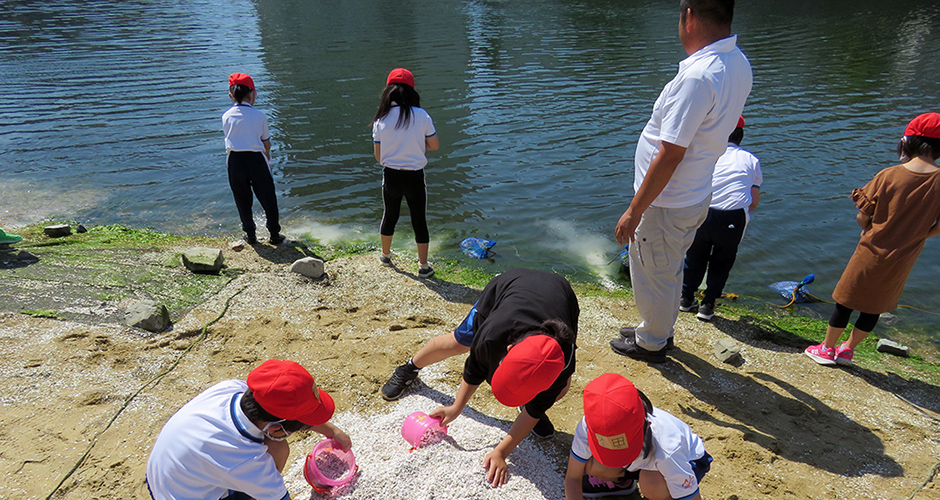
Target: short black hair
{"x":912,"y":146}
{"x":719,"y":12}
{"x":239,"y":92}
{"x":736,"y":135}
{"x":254,"y":411}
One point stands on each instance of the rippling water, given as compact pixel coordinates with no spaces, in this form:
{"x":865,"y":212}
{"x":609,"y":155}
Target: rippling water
{"x":112,"y":116}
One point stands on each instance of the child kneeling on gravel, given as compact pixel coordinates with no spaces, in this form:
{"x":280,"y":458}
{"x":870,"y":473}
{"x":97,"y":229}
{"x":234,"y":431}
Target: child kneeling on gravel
{"x":623,"y":440}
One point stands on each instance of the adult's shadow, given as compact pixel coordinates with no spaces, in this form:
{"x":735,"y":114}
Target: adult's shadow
{"x":750,"y":330}
{"x":447,"y":290}
{"x":919,"y":394}
{"x":786,"y":422}
{"x":556,"y":446}
{"x":285,"y":253}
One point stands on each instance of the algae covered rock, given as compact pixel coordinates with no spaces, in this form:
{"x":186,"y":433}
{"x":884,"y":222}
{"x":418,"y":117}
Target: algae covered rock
{"x":203,"y":260}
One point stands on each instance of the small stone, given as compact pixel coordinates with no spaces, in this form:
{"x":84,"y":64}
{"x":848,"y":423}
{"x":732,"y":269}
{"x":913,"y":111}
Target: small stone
{"x":237,"y":245}
{"x":24,"y":255}
{"x":728,"y":351}
{"x":57,"y":230}
{"x":891,"y":347}
{"x":147,"y":315}
{"x":81,"y":229}
{"x":203,"y":260}
{"x":310,"y":267}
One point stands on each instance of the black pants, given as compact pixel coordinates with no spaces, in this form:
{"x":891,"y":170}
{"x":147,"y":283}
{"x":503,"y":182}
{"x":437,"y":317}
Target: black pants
{"x":715,"y":248}
{"x":248,"y":171}
{"x":410,"y":185}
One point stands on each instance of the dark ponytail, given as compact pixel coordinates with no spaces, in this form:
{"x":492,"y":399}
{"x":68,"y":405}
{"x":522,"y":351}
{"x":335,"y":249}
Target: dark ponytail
{"x":239,"y":92}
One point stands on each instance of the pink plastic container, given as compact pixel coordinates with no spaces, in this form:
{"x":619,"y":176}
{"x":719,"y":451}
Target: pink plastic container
{"x":420,"y":429}
{"x":339,"y":466}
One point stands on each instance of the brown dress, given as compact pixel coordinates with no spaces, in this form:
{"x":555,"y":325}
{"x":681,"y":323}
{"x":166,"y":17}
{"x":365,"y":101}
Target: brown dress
{"x":904,"y":205}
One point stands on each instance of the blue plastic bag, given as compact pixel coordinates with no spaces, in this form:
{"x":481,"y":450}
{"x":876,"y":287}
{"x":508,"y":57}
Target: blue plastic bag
{"x":477,"y":247}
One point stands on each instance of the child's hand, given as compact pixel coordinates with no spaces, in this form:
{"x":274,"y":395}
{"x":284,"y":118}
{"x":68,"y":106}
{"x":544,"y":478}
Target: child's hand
{"x":447,"y":414}
{"x":343,"y":439}
{"x":497,"y":472}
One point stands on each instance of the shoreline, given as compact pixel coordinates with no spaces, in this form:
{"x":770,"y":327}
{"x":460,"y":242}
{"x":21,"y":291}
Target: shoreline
{"x":779,"y":425}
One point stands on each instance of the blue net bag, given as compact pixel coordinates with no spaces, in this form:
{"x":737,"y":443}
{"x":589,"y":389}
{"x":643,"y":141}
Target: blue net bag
{"x":477,"y":247}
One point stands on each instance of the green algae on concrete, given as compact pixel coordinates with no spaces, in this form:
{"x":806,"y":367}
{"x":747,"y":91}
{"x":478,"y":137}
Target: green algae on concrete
{"x":89,"y":276}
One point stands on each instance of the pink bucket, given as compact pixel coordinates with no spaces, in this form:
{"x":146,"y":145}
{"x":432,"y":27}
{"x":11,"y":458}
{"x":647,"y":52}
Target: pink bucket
{"x":420,"y":429}
{"x":327,"y":465}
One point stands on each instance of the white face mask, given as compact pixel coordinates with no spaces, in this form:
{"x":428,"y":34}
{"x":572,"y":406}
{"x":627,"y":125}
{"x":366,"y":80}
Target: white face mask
{"x":274,"y":427}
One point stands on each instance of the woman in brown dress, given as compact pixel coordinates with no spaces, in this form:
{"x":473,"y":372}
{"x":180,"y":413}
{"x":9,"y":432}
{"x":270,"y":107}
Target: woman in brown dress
{"x":898,"y":210}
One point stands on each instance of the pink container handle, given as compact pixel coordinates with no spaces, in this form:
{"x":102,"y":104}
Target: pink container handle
{"x":316,"y":478}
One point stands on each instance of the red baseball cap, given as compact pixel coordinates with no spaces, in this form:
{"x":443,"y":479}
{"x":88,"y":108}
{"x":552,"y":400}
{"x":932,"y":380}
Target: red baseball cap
{"x":925,"y":125}
{"x":241,"y":79}
{"x":287,"y":390}
{"x":530,"y":367}
{"x":615,"y":415}
{"x":740,"y":122}
{"x":400,"y":75}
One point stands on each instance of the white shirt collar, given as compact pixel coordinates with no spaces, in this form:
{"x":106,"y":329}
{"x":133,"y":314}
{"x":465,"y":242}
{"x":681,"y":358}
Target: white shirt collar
{"x":724,"y":45}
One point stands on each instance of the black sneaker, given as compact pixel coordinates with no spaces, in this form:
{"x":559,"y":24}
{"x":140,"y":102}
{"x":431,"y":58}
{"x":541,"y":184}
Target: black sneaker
{"x":277,"y":239}
{"x":401,"y":379}
{"x":626,"y":346}
{"x":630,"y":332}
{"x":251,"y":239}
{"x":425,"y":272}
{"x":544,"y":428}
{"x":592,"y":487}
{"x":706,"y":312}
{"x":688,"y":305}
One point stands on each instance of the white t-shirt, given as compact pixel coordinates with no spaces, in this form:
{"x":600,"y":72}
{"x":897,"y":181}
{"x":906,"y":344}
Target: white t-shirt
{"x":245,"y":128}
{"x":736,"y":172}
{"x":675,"y":446}
{"x":403,"y":148}
{"x":697,"y":110}
{"x":209,"y":447}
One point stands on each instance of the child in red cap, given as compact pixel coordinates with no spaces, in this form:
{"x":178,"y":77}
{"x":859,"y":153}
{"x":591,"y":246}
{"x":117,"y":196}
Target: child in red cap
{"x":229,"y":442}
{"x":248,"y":148}
{"x":623,"y":439}
{"x":521,"y":338}
{"x":402,"y":132}
{"x":898,"y":210}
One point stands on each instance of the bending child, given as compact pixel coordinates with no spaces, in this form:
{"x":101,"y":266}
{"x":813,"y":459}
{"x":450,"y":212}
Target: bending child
{"x":624,"y":440}
{"x":521,"y":338}
{"x":229,"y":442}
{"x":898,"y":210}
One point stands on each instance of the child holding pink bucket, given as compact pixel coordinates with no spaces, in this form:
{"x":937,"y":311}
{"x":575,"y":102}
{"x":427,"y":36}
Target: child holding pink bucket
{"x":898,"y":210}
{"x":624,"y":440}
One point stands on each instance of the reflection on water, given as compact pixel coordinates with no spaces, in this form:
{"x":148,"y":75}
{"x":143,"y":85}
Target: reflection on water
{"x":114,"y":109}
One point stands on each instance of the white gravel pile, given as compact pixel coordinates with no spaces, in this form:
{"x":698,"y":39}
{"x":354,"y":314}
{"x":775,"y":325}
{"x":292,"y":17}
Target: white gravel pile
{"x":450,"y":469}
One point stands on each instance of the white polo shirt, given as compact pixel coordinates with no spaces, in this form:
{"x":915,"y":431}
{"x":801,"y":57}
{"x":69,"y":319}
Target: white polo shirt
{"x":209,"y":447}
{"x":675,"y":446}
{"x":403,"y":148}
{"x":245,"y":128}
{"x":736,"y":172}
{"x":697,"y":110}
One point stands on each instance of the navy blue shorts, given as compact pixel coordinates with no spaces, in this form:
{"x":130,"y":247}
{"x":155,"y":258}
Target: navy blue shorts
{"x":464,"y":333}
{"x":237,"y":495}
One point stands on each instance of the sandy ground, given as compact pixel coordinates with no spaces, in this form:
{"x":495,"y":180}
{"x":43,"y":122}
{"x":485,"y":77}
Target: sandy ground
{"x":779,"y":426}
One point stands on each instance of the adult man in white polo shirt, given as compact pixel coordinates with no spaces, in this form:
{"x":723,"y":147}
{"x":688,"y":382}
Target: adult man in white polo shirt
{"x":675,"y":159}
